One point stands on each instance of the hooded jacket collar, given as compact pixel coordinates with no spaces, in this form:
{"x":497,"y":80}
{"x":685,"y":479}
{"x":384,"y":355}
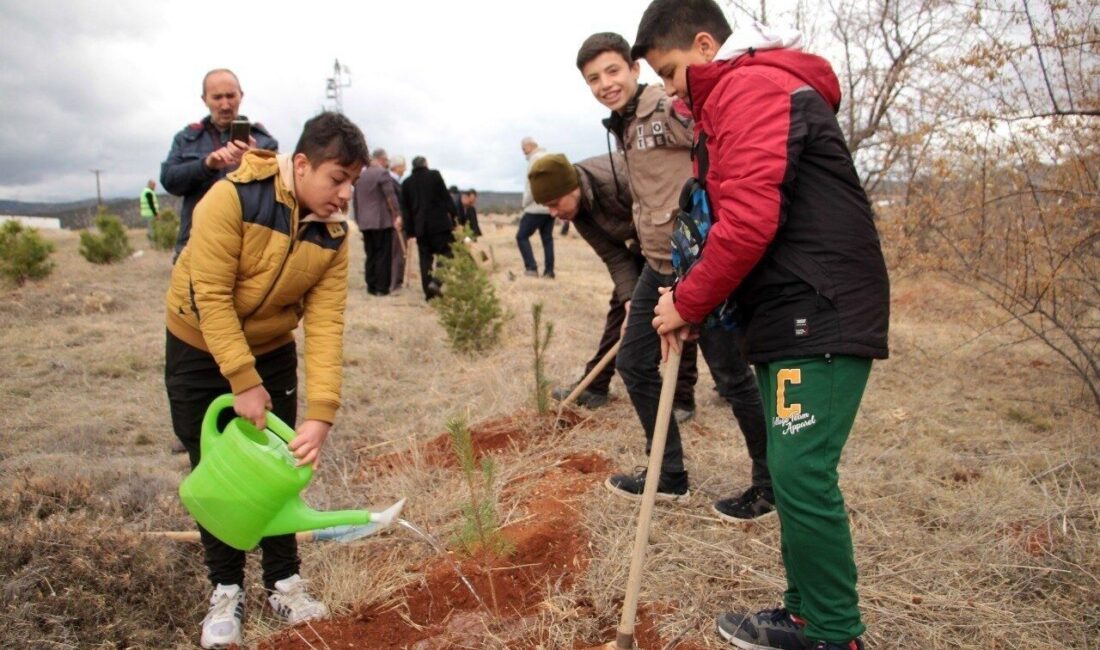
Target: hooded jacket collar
{"x":286,"y":175}
{"x":760,"y":45}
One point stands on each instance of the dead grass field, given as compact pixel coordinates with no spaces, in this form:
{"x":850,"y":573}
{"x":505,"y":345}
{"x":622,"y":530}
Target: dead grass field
{"x":972,"y":475}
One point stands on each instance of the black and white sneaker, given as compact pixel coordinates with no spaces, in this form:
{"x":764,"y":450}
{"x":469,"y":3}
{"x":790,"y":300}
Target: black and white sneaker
{"x":756,"y":502}
{"x":670,"y":487}
{"x":765,"y":630}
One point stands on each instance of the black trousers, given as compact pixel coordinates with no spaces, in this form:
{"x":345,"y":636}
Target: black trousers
{"x":685,"y":381}
{"x":378,"y":245}
{"x":193,"y":381}
{"x":638,"y":361}
{"x":428,"y":247}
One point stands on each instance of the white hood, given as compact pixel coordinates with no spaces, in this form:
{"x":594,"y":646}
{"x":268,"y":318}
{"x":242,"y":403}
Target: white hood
{"x":758,"y":37}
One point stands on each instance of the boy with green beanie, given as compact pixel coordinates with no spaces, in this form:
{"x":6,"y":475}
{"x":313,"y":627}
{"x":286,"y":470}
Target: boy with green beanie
{"x":654,"y":133}
{"x":794,"y":242}
{"x":595,"y":196}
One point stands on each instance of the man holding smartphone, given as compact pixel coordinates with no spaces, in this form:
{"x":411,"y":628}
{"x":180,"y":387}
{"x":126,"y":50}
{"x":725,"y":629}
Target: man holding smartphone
{"x":205,"y":151}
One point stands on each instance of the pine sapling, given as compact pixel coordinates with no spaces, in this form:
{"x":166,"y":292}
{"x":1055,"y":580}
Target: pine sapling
{"x":541,"y":340}
{"x":469,"y":309}
{"x":110,"y":245}
{"x":24,"y":255}
{"x":480,"y":527}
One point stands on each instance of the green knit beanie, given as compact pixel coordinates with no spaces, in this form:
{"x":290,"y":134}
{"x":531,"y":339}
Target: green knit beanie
{"x":552,"y":177}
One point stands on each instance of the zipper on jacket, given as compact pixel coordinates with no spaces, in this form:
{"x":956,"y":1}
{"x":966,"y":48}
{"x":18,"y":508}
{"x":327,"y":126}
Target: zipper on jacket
{"x":278,"y":274}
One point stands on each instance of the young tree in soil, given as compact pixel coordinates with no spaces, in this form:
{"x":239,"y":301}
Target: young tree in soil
{"x":165,"y":230}
{"x":469,"y":309}
{"x":479,"y":531}
{"x":24,"y":255}
{"x":541,"y":340}
{"x":110,"y":245}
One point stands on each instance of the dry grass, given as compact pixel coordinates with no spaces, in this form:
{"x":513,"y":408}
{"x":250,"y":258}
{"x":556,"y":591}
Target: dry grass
{"x":972,"y":475}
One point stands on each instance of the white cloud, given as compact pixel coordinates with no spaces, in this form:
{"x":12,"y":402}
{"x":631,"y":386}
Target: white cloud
{"x":106,"y":85}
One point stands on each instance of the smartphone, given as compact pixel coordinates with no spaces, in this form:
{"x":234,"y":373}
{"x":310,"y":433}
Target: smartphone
{"x":240,"y":130}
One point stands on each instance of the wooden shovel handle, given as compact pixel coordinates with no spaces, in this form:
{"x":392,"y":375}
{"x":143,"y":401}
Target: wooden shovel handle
{"x":590,"y":376}
{"x":625,"y":638}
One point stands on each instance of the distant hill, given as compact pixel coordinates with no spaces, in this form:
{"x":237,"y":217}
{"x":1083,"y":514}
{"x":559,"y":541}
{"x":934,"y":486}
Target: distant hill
{"x":75,"y":215}
{"x":499,"y":202}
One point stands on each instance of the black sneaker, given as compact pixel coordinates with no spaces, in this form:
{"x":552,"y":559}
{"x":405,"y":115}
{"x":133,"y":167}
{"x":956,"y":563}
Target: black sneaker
{"x":754,"y":503}
{"x":587,"y":398}
{"x":854,"y":644}
{"x":549,"y":275}
{"x":671,"y":487}
{"x":770,"y":628}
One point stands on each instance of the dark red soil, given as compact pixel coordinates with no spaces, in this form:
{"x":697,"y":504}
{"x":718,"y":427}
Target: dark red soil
{"x":513,"y":432}
{"x":439,"y":612}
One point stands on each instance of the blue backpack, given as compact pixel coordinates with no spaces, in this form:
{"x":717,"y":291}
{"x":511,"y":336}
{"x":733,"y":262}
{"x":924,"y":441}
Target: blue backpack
{"x":689,"y":236}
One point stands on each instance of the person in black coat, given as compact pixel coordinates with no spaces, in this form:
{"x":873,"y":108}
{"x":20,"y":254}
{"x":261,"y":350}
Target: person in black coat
{"x":431,"y":219}
{"x":467,"y":211}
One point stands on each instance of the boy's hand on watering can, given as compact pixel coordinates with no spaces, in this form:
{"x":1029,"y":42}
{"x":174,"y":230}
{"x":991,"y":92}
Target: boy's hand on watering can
{"x":253,"y":405}
{"x":306,"y":446}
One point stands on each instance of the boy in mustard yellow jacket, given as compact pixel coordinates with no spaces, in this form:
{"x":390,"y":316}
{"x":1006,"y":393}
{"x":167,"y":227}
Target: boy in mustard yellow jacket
{"x":268,"y":249}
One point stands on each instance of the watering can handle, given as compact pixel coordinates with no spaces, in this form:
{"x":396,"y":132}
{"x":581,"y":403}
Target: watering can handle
{"x":223,"y":402}
{"x":210,"y":420}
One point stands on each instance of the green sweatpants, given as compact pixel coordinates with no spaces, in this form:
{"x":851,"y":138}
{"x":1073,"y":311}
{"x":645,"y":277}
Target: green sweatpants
{"x":810,"y":405}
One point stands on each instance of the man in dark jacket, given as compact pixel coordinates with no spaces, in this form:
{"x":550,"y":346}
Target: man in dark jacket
{"x":467,"y":211}
{"x":377,"y":214}
{"x":431,"y":219}
{"x":794,"y":242}
{"x":203,"y":153}
{"x":595,"y":196}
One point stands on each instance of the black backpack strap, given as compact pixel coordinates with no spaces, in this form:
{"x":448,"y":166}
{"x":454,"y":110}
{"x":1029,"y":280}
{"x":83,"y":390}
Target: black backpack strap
{"x":699,"y":152}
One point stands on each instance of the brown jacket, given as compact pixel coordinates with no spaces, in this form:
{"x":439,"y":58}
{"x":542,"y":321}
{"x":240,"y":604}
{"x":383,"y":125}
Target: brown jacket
{"x":605,"y":220}
{"x":654,"y":133}
{"x":253,"y":268}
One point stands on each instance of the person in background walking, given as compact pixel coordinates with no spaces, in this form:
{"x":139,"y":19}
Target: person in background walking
{"x":535,"y":217}
{"x":377,"y":215}
{"x":397,"y":270}
{"x":431,"y":220}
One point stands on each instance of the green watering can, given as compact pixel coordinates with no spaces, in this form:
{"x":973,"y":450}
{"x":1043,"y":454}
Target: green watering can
{"x":246,"y":486}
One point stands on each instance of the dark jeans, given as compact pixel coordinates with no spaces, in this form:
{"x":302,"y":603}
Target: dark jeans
{"x":378,"y":245}
{"x":685,"y":381}
{"x":528,"y":224}
{"x":428,"y":247}
{"x":638,"y":362}
{"x":193,"y":381}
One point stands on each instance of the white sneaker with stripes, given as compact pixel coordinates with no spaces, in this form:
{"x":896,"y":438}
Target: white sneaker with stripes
{"x":292,"y":602}
{"x":222,"y":626}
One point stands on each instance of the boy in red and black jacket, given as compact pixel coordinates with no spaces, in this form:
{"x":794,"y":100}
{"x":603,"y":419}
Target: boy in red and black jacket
{"x":795,"y":244}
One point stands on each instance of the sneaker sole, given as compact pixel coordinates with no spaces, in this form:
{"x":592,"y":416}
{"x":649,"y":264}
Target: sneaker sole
{"x":215,"y":645}
{"x":661,"y":496}
{"x":738,"y":520}
{"x":740,"y":643}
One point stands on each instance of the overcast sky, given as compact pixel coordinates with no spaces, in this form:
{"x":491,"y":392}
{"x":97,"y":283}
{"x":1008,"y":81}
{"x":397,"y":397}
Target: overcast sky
{"x":105,"y":85}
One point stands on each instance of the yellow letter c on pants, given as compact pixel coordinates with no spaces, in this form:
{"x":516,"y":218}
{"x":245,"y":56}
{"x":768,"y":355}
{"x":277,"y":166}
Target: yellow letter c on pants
{"x":785,"y":375}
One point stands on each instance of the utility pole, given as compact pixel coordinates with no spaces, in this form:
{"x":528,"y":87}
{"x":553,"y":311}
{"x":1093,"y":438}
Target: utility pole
{"x":335,"y":85}
{"x":98,"y":194}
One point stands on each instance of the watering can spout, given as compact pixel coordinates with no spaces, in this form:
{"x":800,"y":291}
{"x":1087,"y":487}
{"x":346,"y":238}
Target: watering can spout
{"x":296,"y":517}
